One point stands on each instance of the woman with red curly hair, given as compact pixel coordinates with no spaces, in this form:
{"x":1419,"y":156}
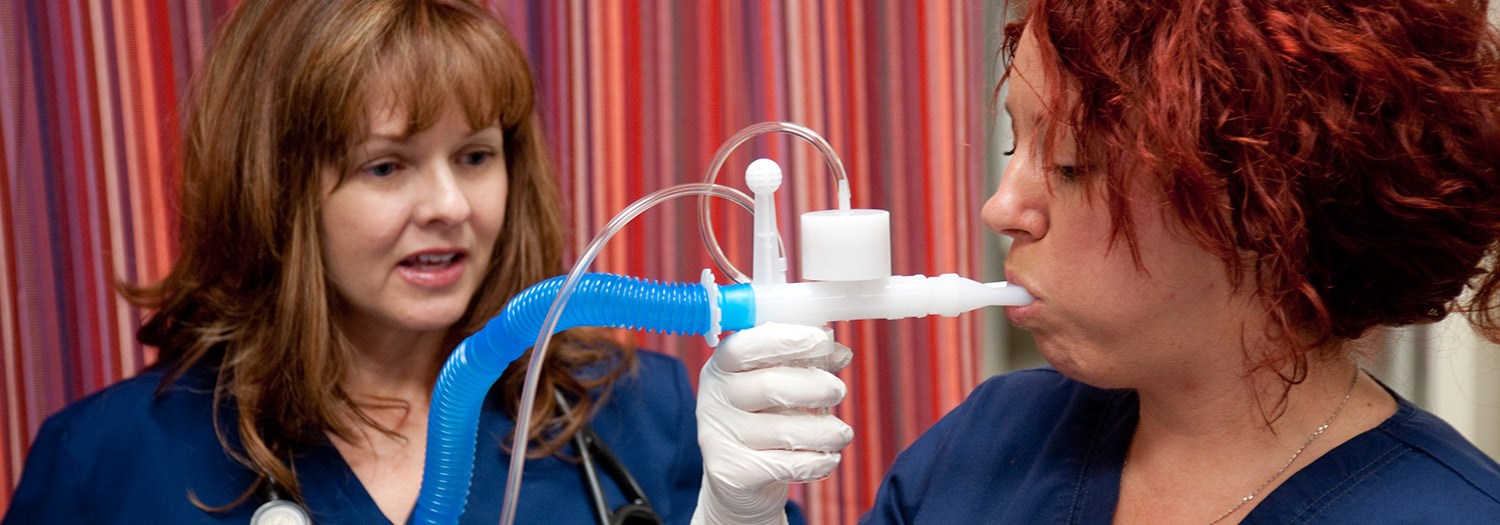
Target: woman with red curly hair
{"x":1210,"y":200}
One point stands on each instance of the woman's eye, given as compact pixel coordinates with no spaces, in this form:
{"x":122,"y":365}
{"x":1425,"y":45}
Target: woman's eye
{"x":477,"y":158}
{"x":1009,"y":152}
{"x":383,"y":169}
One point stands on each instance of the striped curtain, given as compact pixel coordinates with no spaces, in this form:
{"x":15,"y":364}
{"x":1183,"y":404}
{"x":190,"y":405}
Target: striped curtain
{"x":635,"y":96}
{"x":88,"y":126}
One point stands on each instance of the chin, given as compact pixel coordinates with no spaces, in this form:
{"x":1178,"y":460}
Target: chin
{"x":1078,"y":365}
{"x":431,"y":320}
{"x":1060,"y":360}
{"x":432,"y":325}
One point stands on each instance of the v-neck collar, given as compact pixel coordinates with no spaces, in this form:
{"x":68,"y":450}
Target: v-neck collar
{"x":335,"y":493}
{"x":1097,"y":491}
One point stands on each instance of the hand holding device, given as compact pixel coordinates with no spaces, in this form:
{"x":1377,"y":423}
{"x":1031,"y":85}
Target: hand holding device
{"x":763,"y":423}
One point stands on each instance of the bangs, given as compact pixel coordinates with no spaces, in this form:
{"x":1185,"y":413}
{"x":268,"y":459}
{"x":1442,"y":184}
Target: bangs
{"x":429,"y":55}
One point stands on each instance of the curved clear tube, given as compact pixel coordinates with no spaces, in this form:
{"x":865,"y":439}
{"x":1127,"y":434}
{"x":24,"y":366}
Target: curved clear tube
{"x":544,"y":337}
{"x":835,"y":168}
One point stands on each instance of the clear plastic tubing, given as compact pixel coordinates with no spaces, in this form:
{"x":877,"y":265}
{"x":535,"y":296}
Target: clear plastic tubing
{"x":835,"y":168}
{"x":479,"y":360}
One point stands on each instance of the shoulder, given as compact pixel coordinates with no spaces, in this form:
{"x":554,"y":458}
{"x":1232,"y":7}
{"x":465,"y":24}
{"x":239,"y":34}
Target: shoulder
{"x":650,"y":385}
{"x":655,"y":376}
{"x":1038,"y":384}
{"x":652,"y":397}
{"x":123,"y":409}
{"x":136,"y":417}
{"x":1424,"y":431}
{"x":1026,"y":404}
{"x":656,"y":386}
{"x":1025,"y":399}
{"x":1034,"y":426}
{"x":1436,"y":459}
{"x":148,"y":447}
{"x":1412,"y":467}
{"x":653,"y":363}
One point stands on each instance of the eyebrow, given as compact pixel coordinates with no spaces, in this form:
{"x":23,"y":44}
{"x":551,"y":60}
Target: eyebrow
{"x":396,"y":138}
{"x":387,"y":137}
{"x":1036,"y":118}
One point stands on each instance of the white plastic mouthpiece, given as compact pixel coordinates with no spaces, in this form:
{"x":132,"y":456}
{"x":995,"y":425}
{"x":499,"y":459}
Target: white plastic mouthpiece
{"x":896,"y":297}
{"x":1004,"y":294}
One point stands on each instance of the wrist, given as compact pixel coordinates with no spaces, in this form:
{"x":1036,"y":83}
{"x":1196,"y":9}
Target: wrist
{"x":765,"y":506}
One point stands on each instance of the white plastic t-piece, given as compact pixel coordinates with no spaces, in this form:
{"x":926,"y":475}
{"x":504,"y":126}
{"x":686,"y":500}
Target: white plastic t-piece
{"x":764,"y":178}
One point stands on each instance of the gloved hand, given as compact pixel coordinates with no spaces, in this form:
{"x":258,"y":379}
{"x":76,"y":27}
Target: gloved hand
{"x":753,"y":427}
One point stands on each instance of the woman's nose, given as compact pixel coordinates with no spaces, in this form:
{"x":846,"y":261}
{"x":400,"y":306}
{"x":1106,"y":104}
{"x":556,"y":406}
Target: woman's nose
{"x":444,"y":199}
{"x":1018,"y":209}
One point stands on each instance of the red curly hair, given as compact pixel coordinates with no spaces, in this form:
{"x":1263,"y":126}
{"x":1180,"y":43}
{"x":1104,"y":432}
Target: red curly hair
{"x":1345,"y":154}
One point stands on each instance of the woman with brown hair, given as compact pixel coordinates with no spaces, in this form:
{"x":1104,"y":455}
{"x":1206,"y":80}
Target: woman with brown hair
{"x":364,"y":185}
{"x":1210,"y":200}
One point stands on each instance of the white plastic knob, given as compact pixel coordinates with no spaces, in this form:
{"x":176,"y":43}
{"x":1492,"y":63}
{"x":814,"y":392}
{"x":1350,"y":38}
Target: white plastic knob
{"x":763,"y":176}
{"x":846,"y":245}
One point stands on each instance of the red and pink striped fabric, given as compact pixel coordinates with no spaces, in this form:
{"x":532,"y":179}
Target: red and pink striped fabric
{"x":636,"y":96}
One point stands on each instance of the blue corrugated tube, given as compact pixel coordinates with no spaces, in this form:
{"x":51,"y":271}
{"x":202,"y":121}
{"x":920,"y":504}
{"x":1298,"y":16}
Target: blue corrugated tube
{"x":599,"y":300}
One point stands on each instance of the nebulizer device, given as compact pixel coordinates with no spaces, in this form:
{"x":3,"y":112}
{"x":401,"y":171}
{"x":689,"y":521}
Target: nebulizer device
{"x":845,"y":257}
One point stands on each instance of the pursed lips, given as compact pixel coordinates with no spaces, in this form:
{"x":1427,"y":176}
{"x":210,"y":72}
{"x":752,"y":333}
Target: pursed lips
{"x":1019,"y":315}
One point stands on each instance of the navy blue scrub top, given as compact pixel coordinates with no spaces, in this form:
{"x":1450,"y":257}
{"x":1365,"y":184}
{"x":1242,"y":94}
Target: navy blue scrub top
{"x":1036,"y":447}
{"x":124,"y":455}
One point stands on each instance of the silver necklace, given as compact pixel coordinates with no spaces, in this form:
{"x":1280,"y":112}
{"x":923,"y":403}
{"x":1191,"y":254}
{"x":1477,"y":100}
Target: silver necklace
{"x":1310,"y":439}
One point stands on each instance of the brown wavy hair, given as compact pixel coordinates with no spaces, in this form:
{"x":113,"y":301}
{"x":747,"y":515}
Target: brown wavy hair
{"x":1344,"y":154}
{"x":283,"y":94}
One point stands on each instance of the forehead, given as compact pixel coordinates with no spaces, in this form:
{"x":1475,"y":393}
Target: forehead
{"x":387,"y":114}
{"x":392,"y":111}
{"x":1027,"y":83}
{"x":401,"y":95}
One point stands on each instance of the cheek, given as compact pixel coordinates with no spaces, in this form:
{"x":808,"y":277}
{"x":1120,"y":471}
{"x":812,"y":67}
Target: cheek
{"x":1176,"y":283}
{"x":1099,"y":270}
{"x":340,"y":252}
{"x":1099,"y":284}
{"x":491,"y":199}
{"x":1108,"y":290}
{"x":359,"y":227}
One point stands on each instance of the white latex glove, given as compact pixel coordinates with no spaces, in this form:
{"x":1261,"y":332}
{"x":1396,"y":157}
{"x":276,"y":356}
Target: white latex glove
{"x":753,"y":426}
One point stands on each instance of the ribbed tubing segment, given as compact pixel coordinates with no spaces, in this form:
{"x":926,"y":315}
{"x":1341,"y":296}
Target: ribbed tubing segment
{"x":597,"y":300}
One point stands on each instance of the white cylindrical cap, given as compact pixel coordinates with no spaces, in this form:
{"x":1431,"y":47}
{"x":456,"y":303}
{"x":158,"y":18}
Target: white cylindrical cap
{"x":846,"y":245}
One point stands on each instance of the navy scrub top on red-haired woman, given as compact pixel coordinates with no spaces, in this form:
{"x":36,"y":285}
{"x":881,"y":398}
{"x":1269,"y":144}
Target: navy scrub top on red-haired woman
{"x":125,"y":455}
{"x":1037,"y":447}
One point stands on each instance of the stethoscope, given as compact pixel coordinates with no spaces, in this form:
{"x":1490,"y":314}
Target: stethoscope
{"x":277,"y":511}
{"x":637,"y":509}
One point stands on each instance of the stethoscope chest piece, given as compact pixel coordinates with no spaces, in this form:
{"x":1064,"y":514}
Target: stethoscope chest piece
{"x":280,"y":512}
